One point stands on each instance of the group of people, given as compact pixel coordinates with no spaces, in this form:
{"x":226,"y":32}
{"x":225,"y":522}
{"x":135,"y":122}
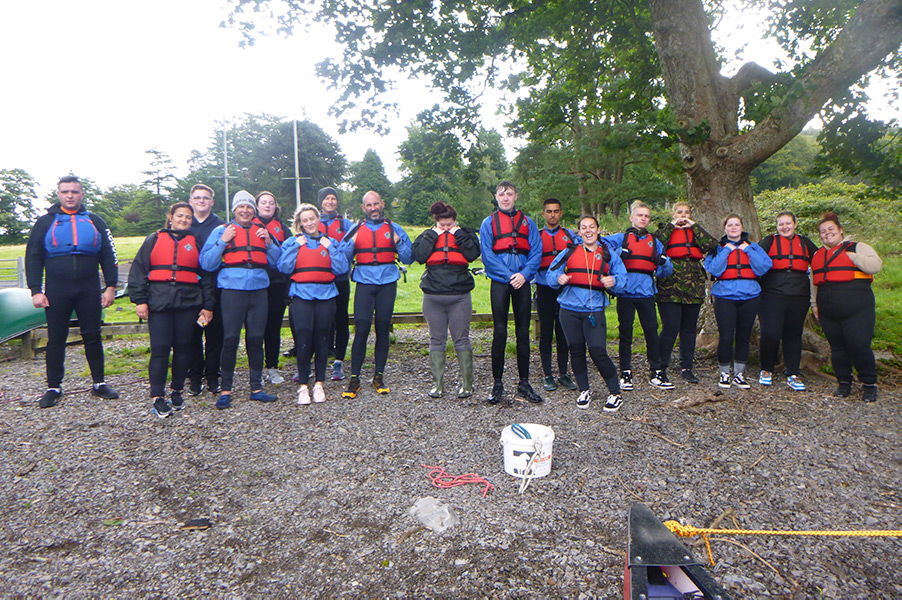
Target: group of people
{"x":199,"y":281}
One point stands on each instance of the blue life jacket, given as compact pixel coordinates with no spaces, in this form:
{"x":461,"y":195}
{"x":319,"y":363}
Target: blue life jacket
{"x":72,"y":234}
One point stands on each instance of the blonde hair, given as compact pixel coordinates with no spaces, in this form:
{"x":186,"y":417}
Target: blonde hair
{"x":637,"y":205}
{"x":296,"y":225}
{"x":676,"y":205}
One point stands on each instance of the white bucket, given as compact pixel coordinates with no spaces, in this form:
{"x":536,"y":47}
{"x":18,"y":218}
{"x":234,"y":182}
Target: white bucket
{"x":519,"y":452}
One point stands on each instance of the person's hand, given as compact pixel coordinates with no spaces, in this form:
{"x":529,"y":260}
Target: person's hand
{"x":142,"y":311}
{"x":563,"y":279}
{"x":437,"y":230}
{"x":396,"y":238}
{"x":607,"y":281}
{"x":325,"y":242}
{"x":454,"y":229}
{"x":814,"y":310}
{"x":108,"y":297}
{"x":40,"y":301}
{"x":729,"y":246}
{"x":743,"y":245}
{"x":206,"y":315}
{"x":263,"y":234}
{"x":229,"y":234}
{"x":517,"y":280}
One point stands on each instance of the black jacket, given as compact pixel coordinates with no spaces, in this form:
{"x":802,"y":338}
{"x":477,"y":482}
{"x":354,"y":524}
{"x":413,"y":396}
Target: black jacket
{"x":446,"y":279}
{"x":161,"y":295}
{"x":72,"y":267}
{"x":786,"y":283}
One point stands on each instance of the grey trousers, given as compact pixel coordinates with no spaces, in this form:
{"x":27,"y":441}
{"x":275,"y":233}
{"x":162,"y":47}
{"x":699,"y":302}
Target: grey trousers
{"x":448,"y":312}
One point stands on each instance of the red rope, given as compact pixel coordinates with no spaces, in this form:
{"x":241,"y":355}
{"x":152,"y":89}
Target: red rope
{"x":441,"y":479}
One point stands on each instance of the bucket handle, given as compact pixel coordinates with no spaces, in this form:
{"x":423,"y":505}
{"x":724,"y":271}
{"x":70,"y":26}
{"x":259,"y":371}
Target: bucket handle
{"x":524,"y":483}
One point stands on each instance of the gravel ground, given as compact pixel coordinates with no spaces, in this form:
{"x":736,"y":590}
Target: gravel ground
{"x":313,"y":501}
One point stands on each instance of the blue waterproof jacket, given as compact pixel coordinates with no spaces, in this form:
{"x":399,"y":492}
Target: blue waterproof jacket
{"x":500,"y":267}
{"x":580,"y":299}
{"x":640,"y":285}
{"x":236,"y":278}
{"x":311,"y":291}
{"x":737,"y":289}
{"x":382,"y":273}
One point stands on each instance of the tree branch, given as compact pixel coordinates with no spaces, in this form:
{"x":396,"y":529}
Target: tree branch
{"x":748,"y":74}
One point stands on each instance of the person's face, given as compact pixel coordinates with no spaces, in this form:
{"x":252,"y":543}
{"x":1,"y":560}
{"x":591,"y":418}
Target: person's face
{"x":330,"y":204}
{"x":830,"y":233}
{"x":181,"y":219}
{"x":733,"y":228}
{"x":640,"y":218}
{"x":786,"y":226}
{"x":373,"y":207}
{"x":507,"y":198}
{"x":201,"y":201}
{"x":244,"y":214}
{"x":446,"y":224}
{"x":266,"y":206}
{"x":552,"y":214}
{"x":588,"y":230}
{"x":310,"y":222}
{"x":681,"y":212}
{"x":70,"y":195}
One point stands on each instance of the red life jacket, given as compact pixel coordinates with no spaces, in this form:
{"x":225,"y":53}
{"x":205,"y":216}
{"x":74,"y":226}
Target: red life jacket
{"x":553,"y":244}
{"x":334,"y":230}
{"x":641,"y":254}
{"x":586,"y":268}
{"x":174,"y":260}
{"x":378,"y":249}
{"x":312,"y":265}
{"x":789,"y":255}
{"x":274,"y":227}
{"x":446,"y":252}
{"x":246,"y":249}
{"x":510,"y":233}
{"x":833,"y":265}
{"x":681,"y":244}
{"x":738,"y":266}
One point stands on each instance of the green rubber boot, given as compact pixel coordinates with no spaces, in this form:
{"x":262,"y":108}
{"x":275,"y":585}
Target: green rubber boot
{"x":437,"y":365}
{"x":465,"y":358}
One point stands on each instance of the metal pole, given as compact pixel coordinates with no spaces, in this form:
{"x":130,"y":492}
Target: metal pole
{"x":225,"y":161}
{"x":20,"y":271}
{"x":297,"y":174}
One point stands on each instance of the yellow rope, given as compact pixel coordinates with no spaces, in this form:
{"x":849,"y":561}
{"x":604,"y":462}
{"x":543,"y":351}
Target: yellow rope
{"x":691,"y":531}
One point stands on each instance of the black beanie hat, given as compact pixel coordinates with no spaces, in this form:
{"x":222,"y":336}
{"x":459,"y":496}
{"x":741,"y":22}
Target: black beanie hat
{"x":325,"y":192}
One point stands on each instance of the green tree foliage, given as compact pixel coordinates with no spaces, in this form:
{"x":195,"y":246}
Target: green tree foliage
{"x":135,"y":210}
{"x":17,"y":211}
{"x":159,"y":175}
{"x":865,"y":150}
{"x":369,"y":174}
{"x":792,"y":166}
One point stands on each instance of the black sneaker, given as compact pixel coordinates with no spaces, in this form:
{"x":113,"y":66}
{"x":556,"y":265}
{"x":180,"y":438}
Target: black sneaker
{"x":549,"y":384}
{"x":525,"y":391}
{"x":292,"y":352}
{"x":869,"y":393}
{"x":626,"y":380}
{"x":195,"y":388}
{"x":843,"y":390}
{"x":660,"y":381}
{"x":584,"y":399}
{"x":379,"y":384}
{"x":613,"y":403}
{"x":50,"y":398}
{"x":104,"y":391}
{"x":688,"y":375}
{"x":214,"y":389}
{"x":566,"y":381}
{"x":353,"y":388}
{"x":161,"y":408}
{"x":176,"y":400}
{"x":497,"y":392}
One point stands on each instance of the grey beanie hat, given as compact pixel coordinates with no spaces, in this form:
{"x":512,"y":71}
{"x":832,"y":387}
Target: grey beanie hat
{"x":325,"y":192}
{"x":243,"y":197}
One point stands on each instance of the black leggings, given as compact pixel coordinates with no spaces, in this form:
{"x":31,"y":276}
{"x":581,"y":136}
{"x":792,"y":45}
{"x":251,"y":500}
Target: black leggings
{"x":170,"y":330}
{"x":311,"y":321}
{"x":373,"y":304}
{"x":847,"y":315}
{"x":340,"y":332}
{"x":782,"y":318}
{"x":206,"y":348}
{"x":503,"y":295}
{"x":682,"y":320}
{"x":275,"y":312}
{"x":83,"y":297}
{"x":582,"y":334}
{"x":735,"y":319}
{"x":627,"y":308}
{"x":550,"y":327}
{"x":248,"y":308}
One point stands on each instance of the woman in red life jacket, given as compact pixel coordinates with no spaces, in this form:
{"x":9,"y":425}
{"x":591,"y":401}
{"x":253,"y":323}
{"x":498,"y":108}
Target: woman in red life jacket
{"x":736,"y":264}
{"x":785,"y":294}
{"x":447,"y":250}
{"x":311,"y":260}
{"x":172,"y":292}
{"x":681,"y":295}
{"x":269,"y":215}
{"x":843,"y":301}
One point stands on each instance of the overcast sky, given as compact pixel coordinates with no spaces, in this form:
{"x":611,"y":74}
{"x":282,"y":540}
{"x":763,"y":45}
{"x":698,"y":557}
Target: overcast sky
{"x":89,"y":85}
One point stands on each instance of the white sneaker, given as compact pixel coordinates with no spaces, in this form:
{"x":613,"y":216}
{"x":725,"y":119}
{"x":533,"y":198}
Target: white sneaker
{"x":585,"y":399}
{"x":274,"y":377}
{"x":613,"y":403}
{"x":765,"y":378}
{"x":724,"y":381}
{"x":626,"y":380}
{"x":319,"y":394}
{"x":304,"y":396}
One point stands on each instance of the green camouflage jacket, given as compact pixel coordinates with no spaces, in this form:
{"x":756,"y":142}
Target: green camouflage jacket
{"x":687,"y":284}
